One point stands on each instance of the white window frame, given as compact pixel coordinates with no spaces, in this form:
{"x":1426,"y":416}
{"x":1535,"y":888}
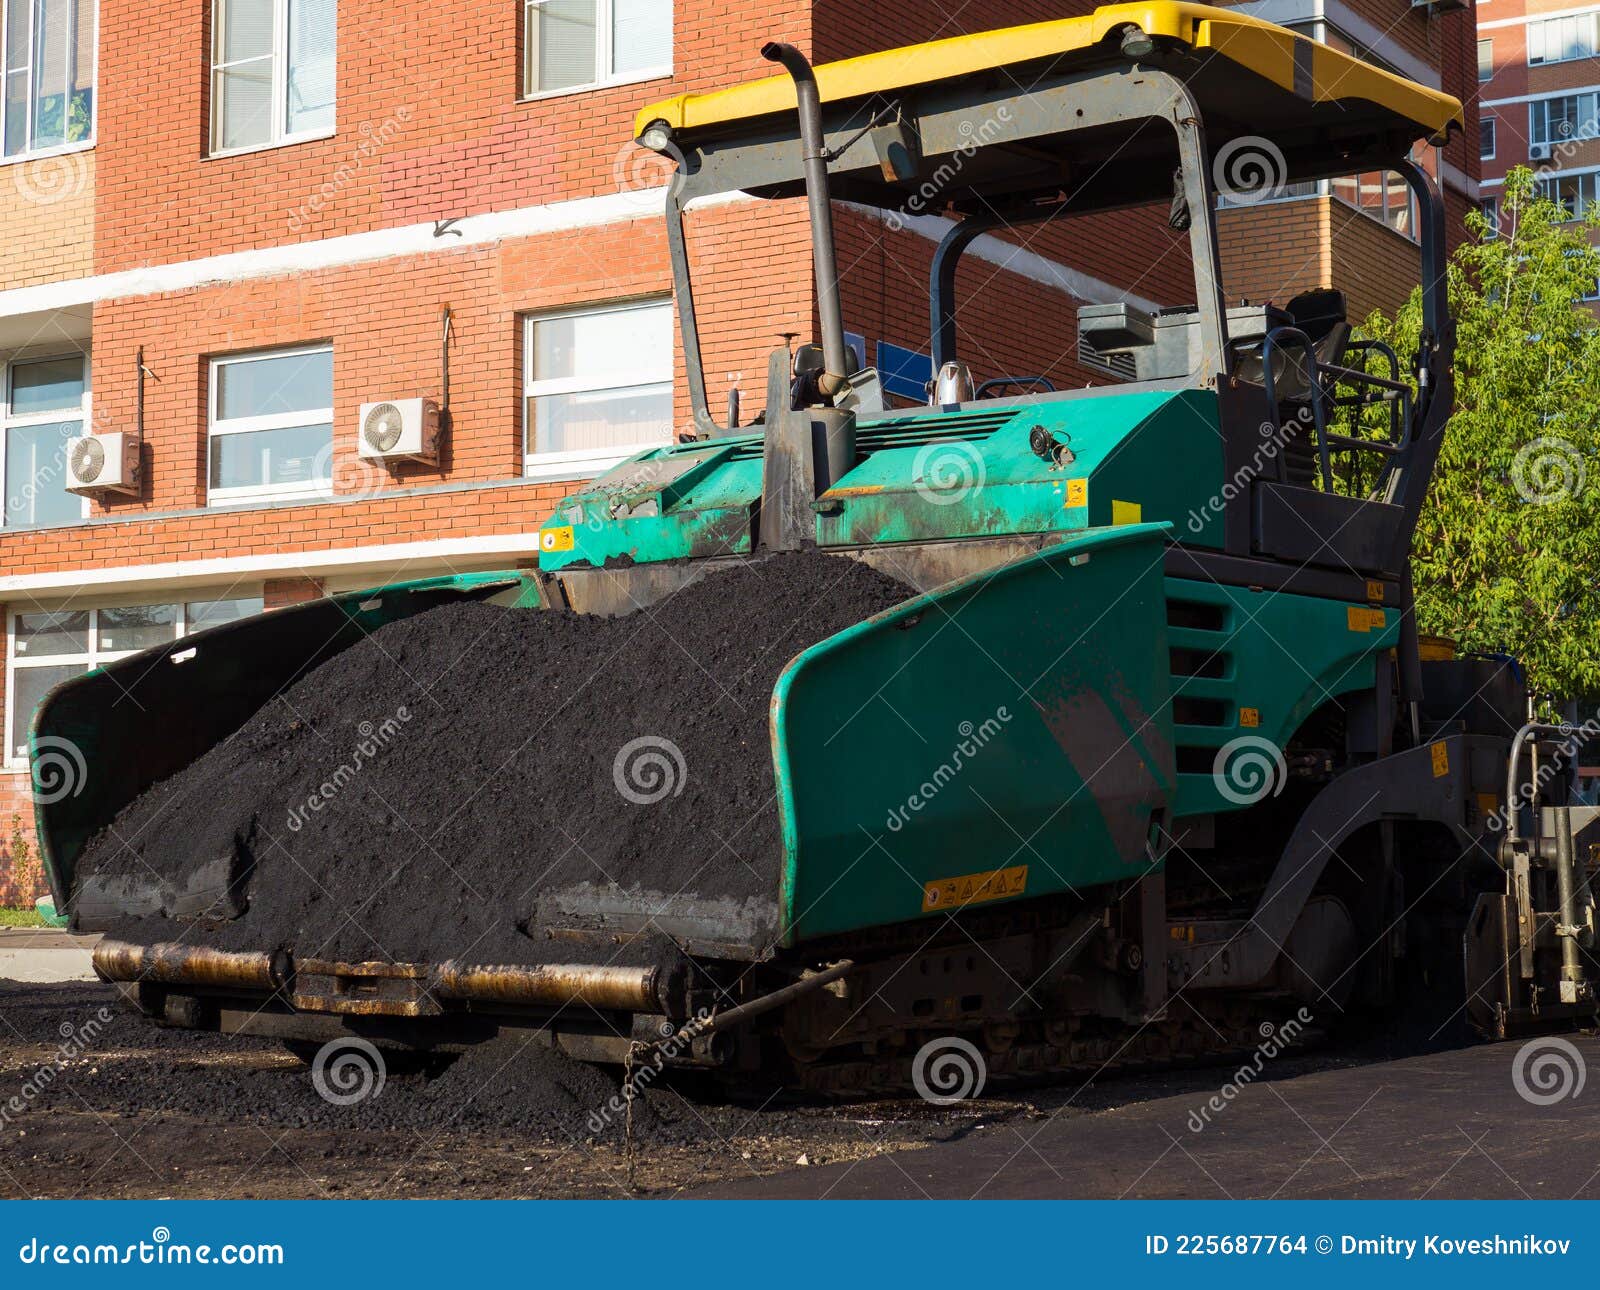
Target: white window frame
{"x":280,"y":138}
{"x":1591,"y":16}
{"x":1539,"y":132}
{"x":1588,"y":182}
{"x":1489,"y":41}
{"x":56,"y":416}
{"x":579,"y":463}
{"x":604,"y":53}
{"x":1493,"y":123}
{"x":94,"y":656}
{"x":60,"y":149}
{"x":285,"y":493}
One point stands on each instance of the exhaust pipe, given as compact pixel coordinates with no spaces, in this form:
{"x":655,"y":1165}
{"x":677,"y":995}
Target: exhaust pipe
{"x":815,"y":155}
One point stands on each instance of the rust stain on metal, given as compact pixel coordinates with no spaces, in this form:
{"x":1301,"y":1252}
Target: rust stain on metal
{"x":171,"y":964}
{"x":383,"y":989}
{"x":552,"y":984}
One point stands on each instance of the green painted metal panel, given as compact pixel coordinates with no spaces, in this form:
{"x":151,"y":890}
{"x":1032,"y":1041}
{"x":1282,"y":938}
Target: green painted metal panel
{"x":688,"y":500}
{"x":1019,"y":717}
{"x":1277,"y":659}
{"x":1145,"y":456}
{"x":1140,"y":456}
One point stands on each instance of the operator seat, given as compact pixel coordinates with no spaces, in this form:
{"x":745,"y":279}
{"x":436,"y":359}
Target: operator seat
{"x":1320,"y":314}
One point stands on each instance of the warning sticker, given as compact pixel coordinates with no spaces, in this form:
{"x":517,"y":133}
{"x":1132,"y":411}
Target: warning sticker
{"x":974,"y":888}
{"x":1364,"y":620}
{"x":559,"y":539}
{"x":1441,"y":760}
{"x":1077,"y":493}
{"x":1250,"y":717}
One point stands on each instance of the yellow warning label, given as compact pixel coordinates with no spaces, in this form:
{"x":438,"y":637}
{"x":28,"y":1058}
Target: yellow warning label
{"x":975,"y":888}
{"x":1077,"y":493}
{"x":1250,"y":716}
{"x":559,"y":539}
{"x":1374,"y":591}
{"x":1126,"y":512}
{"x":1488,"y":803}
{"x":1441,"y":760}
{"x":1364,"y":620}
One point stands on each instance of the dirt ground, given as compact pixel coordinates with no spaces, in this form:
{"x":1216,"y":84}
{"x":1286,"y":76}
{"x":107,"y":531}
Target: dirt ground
{"x":94,"y":1102}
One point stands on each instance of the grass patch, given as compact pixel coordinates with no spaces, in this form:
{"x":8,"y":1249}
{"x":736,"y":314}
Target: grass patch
{"x":11,"y":916}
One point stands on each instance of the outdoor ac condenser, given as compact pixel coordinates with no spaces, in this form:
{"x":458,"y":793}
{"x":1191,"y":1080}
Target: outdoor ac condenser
{"x":400,"y":430}
{"x":103,"y":463}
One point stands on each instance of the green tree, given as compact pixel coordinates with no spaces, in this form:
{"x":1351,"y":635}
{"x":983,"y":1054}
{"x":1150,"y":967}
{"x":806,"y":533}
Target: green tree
{"x":1507,"y":553}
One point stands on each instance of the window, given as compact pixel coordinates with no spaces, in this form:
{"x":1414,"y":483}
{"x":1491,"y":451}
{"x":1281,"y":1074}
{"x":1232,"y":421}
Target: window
{"x":45,"y":404}
{"x":49,"y":75}
{"x":48,"y":646}
{"x":574,"y":44}
{"x":1558,"y":40}
{"x":272,"y":72}
{"x":1490,"y":206}
{"x":272,"y":425}
{"x":1486,"y":60}
{"x":1566,"y":118}
{"x":1485,"y":138}
{"x":597,"y":386}
{"x":1573,"y":193}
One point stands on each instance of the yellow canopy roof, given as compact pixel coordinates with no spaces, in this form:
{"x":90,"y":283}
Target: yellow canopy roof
{"x":1262,"y":47}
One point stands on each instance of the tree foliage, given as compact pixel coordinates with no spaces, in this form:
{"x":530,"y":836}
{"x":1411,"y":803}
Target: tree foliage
{"x":1507,"y":553}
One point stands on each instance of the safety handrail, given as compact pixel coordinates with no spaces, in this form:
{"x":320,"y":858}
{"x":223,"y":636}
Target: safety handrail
{"x":1293,"y":335}
{"x":1016,"y":382}
{"x":1322,"y":394}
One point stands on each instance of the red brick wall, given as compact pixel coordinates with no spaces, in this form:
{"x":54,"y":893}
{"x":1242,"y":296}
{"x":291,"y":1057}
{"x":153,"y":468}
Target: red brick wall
{"x":429,"y":125}
{"x":20,"y":884}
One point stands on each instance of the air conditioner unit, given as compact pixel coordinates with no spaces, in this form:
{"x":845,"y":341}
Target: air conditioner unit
{"x":400,"y":430}
{"x":1439,"y":6}
{"x":1538,"y":151}
{"x":103,"y":463}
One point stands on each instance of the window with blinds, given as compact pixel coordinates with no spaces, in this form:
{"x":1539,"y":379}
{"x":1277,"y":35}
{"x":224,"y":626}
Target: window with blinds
{"x":579,"y":44}
{"x":272,"y":72}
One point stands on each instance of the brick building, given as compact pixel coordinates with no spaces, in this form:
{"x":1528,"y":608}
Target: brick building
{"x":231,"y":225}
{"x":1539,"y":98}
